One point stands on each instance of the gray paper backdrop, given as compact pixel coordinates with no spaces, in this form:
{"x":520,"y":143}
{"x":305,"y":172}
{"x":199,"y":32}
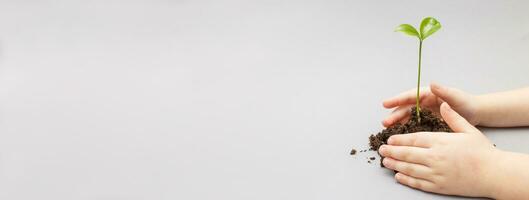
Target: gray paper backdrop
{"x":230,"y":99}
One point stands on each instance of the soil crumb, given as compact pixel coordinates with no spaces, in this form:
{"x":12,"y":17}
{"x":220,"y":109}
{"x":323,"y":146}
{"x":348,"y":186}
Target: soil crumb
{"x":430,"y":122}
{"x":353,"y":152}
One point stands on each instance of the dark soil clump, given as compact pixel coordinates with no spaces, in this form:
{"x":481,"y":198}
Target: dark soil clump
{"x":353,"y":152}
{"x":430,"y":122}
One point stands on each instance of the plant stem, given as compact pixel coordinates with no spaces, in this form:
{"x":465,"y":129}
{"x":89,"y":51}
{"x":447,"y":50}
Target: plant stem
{"x":417,"y":108}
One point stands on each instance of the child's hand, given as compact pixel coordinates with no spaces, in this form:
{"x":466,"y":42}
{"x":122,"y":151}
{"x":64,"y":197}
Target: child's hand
{"x":457,"y":163}
{"x":431,"y":98}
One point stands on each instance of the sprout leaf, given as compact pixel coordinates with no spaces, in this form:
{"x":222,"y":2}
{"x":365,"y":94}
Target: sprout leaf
{"x":429,"y":26}
{"x":408,"y":30}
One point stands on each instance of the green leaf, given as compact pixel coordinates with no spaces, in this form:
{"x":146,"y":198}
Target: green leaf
{"x":429,"y":26}
{"x":408,"y":30}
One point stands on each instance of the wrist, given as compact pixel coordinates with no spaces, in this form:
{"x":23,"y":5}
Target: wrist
{"x":480,"y":106}
{"x":493,"y":178}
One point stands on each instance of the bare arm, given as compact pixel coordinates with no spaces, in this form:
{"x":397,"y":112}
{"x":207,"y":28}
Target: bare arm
{"x":509,"y":178}
{"x":504,"y":109}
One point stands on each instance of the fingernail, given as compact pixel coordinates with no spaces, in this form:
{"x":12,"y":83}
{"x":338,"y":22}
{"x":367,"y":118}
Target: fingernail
{"x":385,"y":162}
{"x":390,"y":140}
{"x":447,"y":106}
{"x":382,"y":149}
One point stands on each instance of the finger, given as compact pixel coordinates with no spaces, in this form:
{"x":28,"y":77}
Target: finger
{"x":405,"y":119}
{"x":419,"y":139}
{"x":416,"y":183}
{"x":397,"y":115}
{"x":455,"y":121}
{"x":452,"y":96}
{"x":405,"y":153}
{"x":405,"y":98}
{"x":410,"y":169}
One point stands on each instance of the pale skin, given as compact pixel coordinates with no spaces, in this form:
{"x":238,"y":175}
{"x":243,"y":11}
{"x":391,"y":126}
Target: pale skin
{"x":463,"y":163}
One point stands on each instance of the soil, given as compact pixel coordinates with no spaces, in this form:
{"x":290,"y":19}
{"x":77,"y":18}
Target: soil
{"x":353,"y":152}
{"x":430,"y":122}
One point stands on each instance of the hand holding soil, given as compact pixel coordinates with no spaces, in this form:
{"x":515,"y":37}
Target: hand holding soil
{"x":440,"y":162}
{"x":431,"y":98}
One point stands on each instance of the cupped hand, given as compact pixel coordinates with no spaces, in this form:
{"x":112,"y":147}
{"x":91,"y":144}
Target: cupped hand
{"x":432,"y":97}
{"x":457,"y":163}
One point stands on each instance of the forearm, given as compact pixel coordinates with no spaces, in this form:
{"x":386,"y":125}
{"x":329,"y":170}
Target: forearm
{"x":504,"y":109}
{"x":509,"y":177}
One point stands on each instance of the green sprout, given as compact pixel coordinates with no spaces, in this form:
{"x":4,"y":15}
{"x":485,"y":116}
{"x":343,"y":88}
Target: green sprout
{"x":429,"y":26}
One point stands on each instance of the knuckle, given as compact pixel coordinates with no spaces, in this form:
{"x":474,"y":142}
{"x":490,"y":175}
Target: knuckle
{"x":410,"y":169}
{"x":416,"y":184}
{"x":442,"y":142}
{"x":438,"y":180}
{"x":407,"y":156}
{"x":439,"y":183}
{"x":433,"y":159}
{"x":438,"y":157}
{"x":406,"y":168}
{"x":413,"y":138}
{"x":416,"y":142}
{"x":404,"y":155}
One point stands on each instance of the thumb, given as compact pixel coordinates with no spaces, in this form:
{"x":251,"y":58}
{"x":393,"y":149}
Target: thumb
{"x":452,"y":96}
{"x":455,"y":121}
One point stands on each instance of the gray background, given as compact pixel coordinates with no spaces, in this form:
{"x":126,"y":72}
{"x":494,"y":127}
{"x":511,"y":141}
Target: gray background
{"x":230,"y":99}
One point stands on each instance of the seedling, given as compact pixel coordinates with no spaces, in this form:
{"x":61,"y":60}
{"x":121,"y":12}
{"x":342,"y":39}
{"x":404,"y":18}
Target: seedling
{"x":429,"y":26}
{"x":430,"y":121}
